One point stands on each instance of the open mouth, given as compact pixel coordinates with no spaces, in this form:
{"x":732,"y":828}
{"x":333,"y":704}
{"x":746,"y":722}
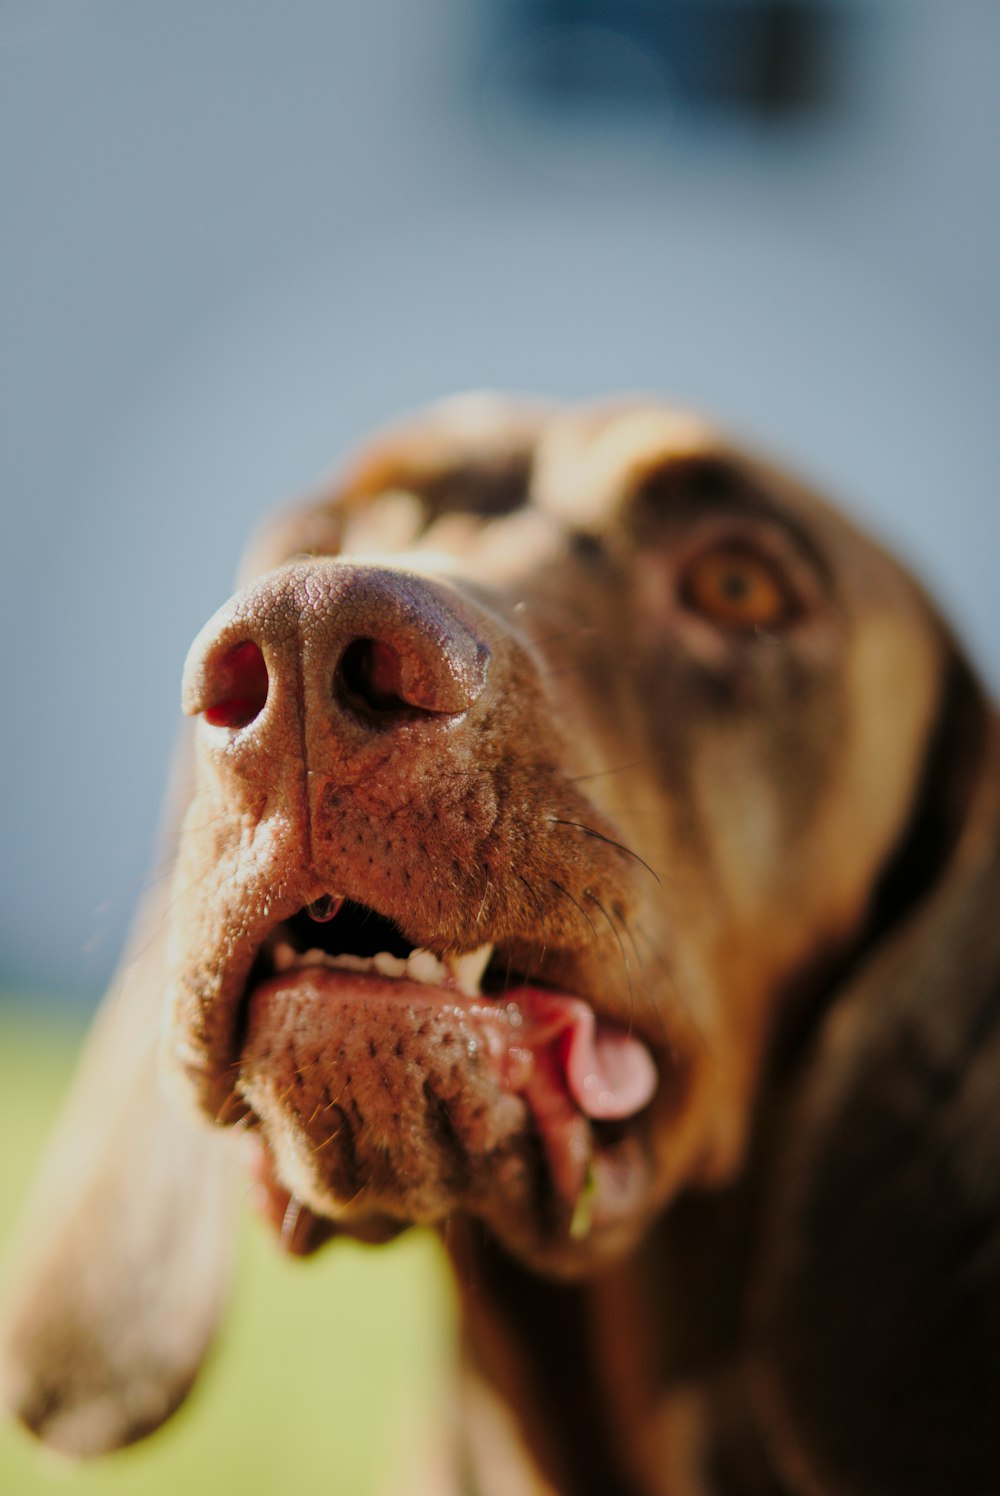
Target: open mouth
{"x":396,"y":1031}
{"x":337,"y":934}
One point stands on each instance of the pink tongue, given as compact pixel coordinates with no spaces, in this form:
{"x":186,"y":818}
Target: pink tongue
{"x":610,"y":1074}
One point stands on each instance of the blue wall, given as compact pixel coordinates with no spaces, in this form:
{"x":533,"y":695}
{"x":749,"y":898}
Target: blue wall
{"x":237,"y":235}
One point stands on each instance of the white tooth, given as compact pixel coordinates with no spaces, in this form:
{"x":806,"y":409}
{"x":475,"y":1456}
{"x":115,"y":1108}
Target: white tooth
{"x":389,"y":966}
{"x":468,"y":969}
{"x":332,"y":963}
{"x":283,"y":955}
{"x":424,"y":966}
{"x":350,"y":963}
{"x":314,"y":958}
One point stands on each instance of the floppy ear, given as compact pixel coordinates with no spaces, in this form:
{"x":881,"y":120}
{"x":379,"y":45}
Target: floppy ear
{"x":125,"y":1247}
{"x":877,"y":1307}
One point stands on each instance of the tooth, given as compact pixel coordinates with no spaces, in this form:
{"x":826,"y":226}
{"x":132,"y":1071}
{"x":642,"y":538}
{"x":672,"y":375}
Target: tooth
{"x":468,"y":969}
{"x":349,"y":963}
{"x":424,"y":966}
{"x":389,"y":966}
{"x":283,"y":955}
{"x":331,"y":963}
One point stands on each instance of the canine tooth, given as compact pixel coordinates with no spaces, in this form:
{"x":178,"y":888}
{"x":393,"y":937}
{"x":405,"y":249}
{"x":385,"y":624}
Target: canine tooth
{"x":389,"y":966}
{"x":424,"y":966}
{"x":468,"y":969}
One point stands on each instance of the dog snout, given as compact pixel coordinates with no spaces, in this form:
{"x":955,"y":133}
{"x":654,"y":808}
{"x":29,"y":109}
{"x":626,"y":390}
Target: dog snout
{"x":340,"y":707}
{"x":321,"y":659}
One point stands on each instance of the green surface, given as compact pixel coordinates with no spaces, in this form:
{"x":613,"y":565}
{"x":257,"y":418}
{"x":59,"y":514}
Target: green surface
{"x":321,"y":1367}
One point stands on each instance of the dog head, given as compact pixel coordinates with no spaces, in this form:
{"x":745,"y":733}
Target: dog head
{"x":547,"y":772}
{"x":593,"y":737}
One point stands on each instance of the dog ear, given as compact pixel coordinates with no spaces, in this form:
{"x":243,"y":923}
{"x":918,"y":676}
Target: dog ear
{"x":125,"y":1248}
{"x":876,"y":1313}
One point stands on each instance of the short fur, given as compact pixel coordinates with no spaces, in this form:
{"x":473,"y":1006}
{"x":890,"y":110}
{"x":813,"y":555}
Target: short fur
{"x":772,"y":853}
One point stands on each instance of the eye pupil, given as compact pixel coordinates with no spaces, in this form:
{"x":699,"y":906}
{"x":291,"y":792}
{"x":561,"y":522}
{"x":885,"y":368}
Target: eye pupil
{"x":735,"y":586}
{"x":737,"y":589}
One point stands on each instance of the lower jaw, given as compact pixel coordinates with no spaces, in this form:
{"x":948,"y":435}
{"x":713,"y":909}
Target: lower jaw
{"x":299,"y":1229}
{"x":331,"y":1062}
{"x":608,"y":1217}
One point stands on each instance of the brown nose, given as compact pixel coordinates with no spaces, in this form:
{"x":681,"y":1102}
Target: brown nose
{"x":321,"y":659}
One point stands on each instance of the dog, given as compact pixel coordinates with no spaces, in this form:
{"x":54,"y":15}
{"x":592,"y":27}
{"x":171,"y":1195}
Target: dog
{"x":592,"y":853}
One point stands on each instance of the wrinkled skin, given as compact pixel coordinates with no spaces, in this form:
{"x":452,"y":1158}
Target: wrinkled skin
{"x":689,"y":757}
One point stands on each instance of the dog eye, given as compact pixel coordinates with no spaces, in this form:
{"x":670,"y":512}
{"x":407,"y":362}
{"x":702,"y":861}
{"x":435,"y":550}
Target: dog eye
{"x":737,"y":588}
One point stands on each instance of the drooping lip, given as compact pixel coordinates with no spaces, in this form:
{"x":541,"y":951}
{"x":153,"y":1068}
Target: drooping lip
{"x":547,"y":1047}
{"x":574,"y":1070}
{"x":609,"y":1072}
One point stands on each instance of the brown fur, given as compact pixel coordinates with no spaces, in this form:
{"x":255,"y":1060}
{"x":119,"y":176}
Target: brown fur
{"x":773,"y":854}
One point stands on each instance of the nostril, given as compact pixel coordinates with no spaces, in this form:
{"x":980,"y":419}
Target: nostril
{"x":372,"y":672}
{"x":241,"y":682}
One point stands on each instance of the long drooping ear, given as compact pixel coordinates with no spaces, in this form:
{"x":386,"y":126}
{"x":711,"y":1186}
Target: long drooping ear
{"x":124,"y":1253}
{"x":125,"y":1249}
{"x":876,"y":1312}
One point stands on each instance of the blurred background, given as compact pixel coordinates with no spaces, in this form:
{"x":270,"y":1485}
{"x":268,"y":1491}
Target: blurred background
{"x":236,"y":236}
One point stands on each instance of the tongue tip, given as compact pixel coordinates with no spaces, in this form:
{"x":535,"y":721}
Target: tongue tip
{"x":611,"y":1073}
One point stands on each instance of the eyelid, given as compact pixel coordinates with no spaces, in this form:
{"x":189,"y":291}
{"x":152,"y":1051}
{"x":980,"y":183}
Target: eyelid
{"x":776,"y":545}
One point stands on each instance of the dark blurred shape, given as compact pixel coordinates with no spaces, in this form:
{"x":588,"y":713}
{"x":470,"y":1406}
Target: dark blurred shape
{"x":758,"y":60}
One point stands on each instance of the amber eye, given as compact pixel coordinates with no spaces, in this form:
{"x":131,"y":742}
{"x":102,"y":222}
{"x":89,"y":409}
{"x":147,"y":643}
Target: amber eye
{"x":737,"y":588}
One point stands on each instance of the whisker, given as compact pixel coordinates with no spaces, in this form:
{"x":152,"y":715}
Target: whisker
{"x":589,"y":894}
{"x":576,"y":902}
{"x":331,"y":1137}
{"x":608,"y":841}
{"x":647,"y":984}
{"x":637,"y":763}
{"x":534,"y":896}
{"x":482,"y":902}
{"x":541,"y":914}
